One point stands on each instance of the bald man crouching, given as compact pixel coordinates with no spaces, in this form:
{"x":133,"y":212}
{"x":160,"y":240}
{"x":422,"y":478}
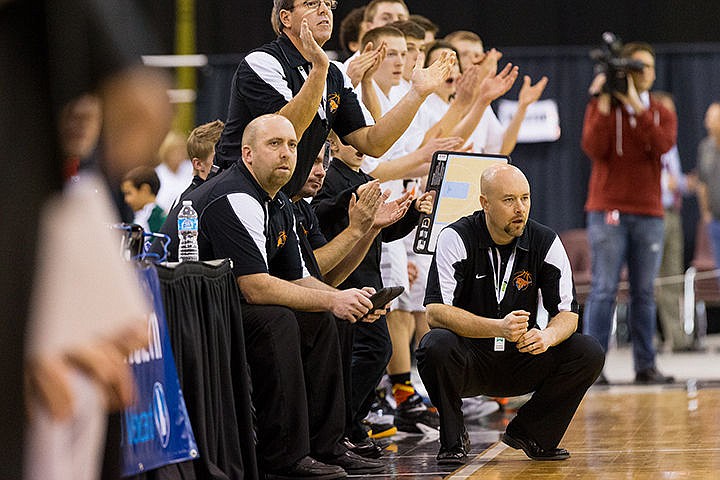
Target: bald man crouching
{"x":482,"y":298}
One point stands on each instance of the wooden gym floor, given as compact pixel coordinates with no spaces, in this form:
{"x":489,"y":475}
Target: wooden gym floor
{"x":620,"y":432}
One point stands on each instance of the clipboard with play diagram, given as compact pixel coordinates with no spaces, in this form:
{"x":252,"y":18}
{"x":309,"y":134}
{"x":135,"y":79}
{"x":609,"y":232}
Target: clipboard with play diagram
{"x":455,"y":178}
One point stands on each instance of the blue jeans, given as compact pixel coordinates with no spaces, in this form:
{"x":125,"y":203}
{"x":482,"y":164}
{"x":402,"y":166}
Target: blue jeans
{"x":638,"y":241}
{"x":714,"y":232}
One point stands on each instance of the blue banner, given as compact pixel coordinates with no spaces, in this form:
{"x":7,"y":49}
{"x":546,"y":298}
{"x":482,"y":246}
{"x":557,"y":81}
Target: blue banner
{"x":156,"y":429}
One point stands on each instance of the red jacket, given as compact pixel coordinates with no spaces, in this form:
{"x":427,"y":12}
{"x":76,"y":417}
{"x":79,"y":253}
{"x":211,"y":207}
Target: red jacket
{"x":625,"y":151}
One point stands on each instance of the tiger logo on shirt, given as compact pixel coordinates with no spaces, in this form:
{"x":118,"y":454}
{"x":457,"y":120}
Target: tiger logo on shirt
{"x":522,"y":280}
{"x":281,"y":239}
{"x":333,"y":102}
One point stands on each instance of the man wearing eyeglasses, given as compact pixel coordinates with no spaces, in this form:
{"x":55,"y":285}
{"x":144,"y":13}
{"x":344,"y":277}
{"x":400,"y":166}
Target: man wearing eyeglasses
{"x":293,"y":76}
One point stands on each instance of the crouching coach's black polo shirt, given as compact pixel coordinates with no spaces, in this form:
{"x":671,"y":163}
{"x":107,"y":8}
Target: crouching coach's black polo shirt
{"x":469,"y":269}
{"x":264,"y":82}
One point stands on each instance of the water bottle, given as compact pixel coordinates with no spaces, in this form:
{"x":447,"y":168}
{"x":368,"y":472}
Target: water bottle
{"x":188,"y":233}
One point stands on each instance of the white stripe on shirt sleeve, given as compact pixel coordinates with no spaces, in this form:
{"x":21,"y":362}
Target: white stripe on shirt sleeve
{"x":558,"y":257}
{"x":252,"y":215}
{"x":305,"y":272}
{"x":269,"y":69}
{"x":449,"y":250}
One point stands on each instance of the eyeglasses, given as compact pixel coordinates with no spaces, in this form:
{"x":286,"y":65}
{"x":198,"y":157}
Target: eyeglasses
{"x":315,"y":4}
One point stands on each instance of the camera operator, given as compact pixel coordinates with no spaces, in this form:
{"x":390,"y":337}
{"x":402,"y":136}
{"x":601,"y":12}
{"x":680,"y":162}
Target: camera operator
{"x":625,"y":134}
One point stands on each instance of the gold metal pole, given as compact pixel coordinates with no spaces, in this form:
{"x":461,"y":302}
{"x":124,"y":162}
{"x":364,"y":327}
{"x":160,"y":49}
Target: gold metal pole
{"x":186,"y":77}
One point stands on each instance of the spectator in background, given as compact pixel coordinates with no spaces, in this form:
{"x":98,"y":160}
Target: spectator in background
{"x":140,"y":187}
{"x":80,"y":124}
{"x":675,"y":184}
{"x":491,"y":136}
{"x":175,"y":170}
{"x":201,"y":151}
{"x":431,"y":29}
{"x":378,"y":13}
{"x":709,"y":177}
{"x":415,"y":43}
{"x":625,"y":135}
{"x":351,"y":30}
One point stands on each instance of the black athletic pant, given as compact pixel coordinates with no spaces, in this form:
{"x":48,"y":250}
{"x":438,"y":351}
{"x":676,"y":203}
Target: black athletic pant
{"x":371,"y":353}
{"x":453,"y":367}
{"x":295,"y":369}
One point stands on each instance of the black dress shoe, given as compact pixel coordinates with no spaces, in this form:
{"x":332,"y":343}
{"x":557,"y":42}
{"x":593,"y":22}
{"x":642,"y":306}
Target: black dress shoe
{"x":354,"y":464}
{"x":457,"y":454}
{"x":650,"y":376}
{"x":533,"y":450}
{"x":366,"y":448}
{"x":307,"y":468}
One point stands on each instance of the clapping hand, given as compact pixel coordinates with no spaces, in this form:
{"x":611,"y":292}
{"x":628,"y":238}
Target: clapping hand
{"x":426,"y":80}
{"x":366,"y":64}
{"x":531,"y":93}
{"x":390,"y":212}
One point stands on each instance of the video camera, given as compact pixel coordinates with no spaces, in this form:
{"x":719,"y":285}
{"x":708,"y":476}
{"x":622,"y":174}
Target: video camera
{"x":609,"y":60}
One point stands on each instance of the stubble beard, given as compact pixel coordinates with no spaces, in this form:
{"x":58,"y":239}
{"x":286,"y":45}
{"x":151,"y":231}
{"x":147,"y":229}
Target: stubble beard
{"x":513,"y":230}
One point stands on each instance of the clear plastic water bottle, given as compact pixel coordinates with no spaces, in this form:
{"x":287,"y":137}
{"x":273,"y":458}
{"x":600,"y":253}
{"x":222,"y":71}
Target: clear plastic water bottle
{"x":188,"y":233}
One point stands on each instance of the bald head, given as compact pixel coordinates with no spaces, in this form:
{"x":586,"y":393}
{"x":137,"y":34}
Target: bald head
{"x":263,"y":122}
{"x":712,"y":120}
{"x":269,"y":150}
{"x":505,"y":197}
{"x":496,"y":175}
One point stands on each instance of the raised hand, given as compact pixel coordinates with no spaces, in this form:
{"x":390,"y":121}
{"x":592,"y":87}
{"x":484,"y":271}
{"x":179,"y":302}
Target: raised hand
{"x":309,"y":48}
{"x":378,"y":58}
{"x":488,"y":65}
{"x":632,"y":98}
{"x":364,"y":205}
{"x":425,"y":80}
{"x":435,"y":144}
{"x":495,"y":86}
{"x":596,"y":86}
{"x":531,"y":93}
{"x":468,"y":85}
{"x":358,"y":66}
{"x":390,"y":212}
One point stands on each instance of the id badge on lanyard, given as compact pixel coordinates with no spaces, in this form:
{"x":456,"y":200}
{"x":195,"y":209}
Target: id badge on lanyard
{"x":500,"y":286}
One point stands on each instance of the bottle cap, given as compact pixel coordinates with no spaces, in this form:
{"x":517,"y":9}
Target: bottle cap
{"x":187,"y":202}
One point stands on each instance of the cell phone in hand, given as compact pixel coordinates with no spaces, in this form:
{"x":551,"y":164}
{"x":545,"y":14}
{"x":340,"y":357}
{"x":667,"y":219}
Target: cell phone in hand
{"x":382,"y":297}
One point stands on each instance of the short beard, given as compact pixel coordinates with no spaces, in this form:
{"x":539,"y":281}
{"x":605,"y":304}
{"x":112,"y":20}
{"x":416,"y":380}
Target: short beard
{"x":513,"y":231}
